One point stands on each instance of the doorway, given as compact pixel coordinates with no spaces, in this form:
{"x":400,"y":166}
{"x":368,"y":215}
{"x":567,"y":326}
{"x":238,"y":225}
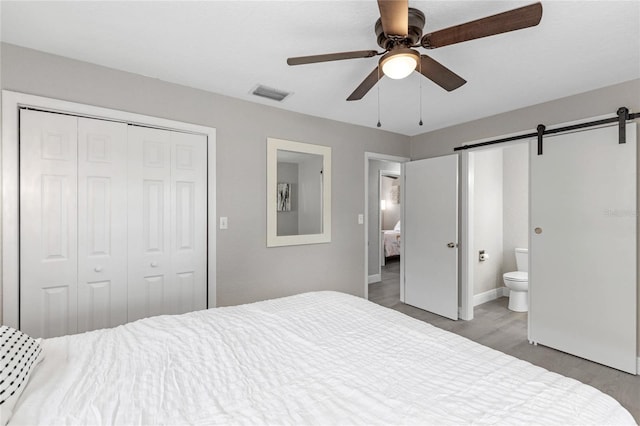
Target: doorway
{"x":496,"y":191}
{"x":383,"y":205}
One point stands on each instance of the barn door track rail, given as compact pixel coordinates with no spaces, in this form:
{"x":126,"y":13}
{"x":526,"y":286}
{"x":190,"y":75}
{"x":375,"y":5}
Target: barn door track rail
{"x":622,"y":116}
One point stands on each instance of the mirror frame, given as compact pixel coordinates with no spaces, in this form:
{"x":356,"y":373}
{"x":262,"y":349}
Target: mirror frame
{"x":273,"y":239}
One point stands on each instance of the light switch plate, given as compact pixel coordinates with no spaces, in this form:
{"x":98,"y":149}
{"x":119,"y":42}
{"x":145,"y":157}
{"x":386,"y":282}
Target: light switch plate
{"x":223,"y":223}
{"x":360,"y":219}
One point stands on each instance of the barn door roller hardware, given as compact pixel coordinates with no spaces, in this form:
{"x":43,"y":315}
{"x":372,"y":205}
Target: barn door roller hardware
{"x":541,"y":128}
{"x":621,"y":118}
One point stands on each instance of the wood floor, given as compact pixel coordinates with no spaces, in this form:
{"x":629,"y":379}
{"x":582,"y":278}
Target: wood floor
{"x":499,"y":328}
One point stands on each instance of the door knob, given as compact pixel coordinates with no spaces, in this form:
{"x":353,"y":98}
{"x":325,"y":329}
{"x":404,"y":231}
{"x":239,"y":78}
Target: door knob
{"x":98,"y":269}
{"x":154,"y":264}
{"x":451,"y":245}
{"x":538,"y":230}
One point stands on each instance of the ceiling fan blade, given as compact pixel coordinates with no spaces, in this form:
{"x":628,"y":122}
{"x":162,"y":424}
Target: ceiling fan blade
{"x":300,"y":60}
{"x":365,"y":86}
{"x":394,"y":15}
{"x":440,"y":74}
{"x":516,"y":19}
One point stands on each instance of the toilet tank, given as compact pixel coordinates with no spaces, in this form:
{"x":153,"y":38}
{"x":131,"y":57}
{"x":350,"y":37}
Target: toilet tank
{"x":522,"y":259}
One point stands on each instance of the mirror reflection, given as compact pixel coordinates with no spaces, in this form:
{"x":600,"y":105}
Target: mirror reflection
{"x":299,"y":193}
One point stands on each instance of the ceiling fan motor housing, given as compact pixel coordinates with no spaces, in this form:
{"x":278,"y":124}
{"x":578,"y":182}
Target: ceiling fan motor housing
{"x":416,"y":24}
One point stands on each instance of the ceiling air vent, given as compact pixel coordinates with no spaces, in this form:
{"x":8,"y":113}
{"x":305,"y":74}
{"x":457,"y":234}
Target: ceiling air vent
{"x":270,"y":93}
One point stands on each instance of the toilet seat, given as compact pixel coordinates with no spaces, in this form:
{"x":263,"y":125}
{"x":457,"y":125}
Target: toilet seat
{"x":519,"y":276}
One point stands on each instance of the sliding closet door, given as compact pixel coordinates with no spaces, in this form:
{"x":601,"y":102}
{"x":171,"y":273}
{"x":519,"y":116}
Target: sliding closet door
{"x":582,"y":272}
{"x":48,"y":224}
{"x":102,"y":224}
{"x":167,"y":222}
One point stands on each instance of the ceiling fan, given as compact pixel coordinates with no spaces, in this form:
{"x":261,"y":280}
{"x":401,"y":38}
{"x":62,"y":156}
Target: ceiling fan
{"x":399,"y":32}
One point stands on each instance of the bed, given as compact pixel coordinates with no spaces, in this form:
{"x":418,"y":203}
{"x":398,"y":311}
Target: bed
{"x":391,"y":243}
{"x":314,"y":358}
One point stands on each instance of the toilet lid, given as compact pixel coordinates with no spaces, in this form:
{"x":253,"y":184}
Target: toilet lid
{"x":517,"y":276}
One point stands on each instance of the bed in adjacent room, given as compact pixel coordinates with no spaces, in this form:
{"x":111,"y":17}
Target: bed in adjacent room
{"x":391,"y":243}
{"x":314,"y":358}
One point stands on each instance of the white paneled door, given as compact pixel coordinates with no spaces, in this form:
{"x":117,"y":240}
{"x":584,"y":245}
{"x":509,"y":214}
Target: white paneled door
{"x":189,"y":221}
{"x":167,"y":222}
{"x":102,"y":224}
{"x":582,"y":270}
{"x":48,"y":223}
{"x":113,"y":223}
{"x":430,"y":234}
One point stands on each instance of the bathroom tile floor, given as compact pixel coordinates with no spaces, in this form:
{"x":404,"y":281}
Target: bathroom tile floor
{"x":499,"y":328}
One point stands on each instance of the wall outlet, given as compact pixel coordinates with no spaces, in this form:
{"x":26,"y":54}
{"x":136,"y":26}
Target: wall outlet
{"x":360,"y":219}
{"x":224,"y":224}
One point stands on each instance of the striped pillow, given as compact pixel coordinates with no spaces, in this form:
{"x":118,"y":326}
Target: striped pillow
{"x":19,"y":355}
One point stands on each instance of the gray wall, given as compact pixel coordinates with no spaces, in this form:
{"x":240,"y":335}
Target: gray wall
{"x":602,"y":101}
{"x":488,"y":224}
{"x":247,"y":270}
{"x":515,"y":197}
{"x":373,"y":206}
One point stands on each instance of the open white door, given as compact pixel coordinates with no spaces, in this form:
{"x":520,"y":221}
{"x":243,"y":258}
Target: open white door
{"x":430,"y":234}
{"x":582,"y":270}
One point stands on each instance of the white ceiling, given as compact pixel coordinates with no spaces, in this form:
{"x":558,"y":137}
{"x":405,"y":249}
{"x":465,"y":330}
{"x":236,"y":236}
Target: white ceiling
{"x":229,"y":47}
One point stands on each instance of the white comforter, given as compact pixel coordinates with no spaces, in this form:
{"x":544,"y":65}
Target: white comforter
{"x":316,"y":358}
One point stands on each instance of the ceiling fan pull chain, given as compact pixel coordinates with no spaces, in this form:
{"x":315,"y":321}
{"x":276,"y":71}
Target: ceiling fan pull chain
{"x":378,"y":125}
{"x":420,"y":122}
{"x":420,"y":66}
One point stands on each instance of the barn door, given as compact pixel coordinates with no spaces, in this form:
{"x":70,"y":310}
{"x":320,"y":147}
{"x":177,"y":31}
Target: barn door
{"x":582,"y":272}
{"x":430,"y":234}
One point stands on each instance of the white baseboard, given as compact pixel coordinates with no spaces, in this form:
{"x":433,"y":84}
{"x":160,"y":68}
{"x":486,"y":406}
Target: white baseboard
{"x":487,"y":296}
{"x":376,"y":278}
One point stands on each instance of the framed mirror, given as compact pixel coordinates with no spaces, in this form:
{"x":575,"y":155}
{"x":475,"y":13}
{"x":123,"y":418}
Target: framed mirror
{"x":298,"y":193}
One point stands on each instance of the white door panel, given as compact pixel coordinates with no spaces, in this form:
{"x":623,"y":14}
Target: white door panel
{"x":167,"y":222}
{"x":48,"y":224}
{"x":582,"y":275}
{"x":149,"y":194}
{"x":430,"y":234}
{"x":189,"y":221}
{"x":102,"y":224}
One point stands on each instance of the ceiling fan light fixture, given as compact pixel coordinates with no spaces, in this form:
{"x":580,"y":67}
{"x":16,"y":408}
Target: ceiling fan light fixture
{"x":399,"y":63}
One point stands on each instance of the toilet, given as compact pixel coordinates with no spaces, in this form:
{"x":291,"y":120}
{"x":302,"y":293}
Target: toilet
{"x":518,"y":282}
